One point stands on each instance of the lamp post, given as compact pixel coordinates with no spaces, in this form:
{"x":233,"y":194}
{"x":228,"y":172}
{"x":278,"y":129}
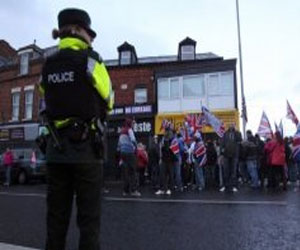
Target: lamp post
{"x":244,"y":111}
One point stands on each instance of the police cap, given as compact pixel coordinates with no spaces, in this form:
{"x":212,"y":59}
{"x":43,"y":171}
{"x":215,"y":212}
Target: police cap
{"x":78,"y":17}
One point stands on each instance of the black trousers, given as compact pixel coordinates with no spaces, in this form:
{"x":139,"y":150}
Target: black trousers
{"x":65,"y":181}
{"x":130,"y":173}
{"x":167,"y":175}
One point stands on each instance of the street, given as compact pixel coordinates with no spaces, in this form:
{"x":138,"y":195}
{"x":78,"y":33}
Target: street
{"x":207,"y":220}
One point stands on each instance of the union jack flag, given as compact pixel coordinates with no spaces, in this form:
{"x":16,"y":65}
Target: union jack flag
{"x":291,"y":114}
{"x":264,"y":129}
{"x":213,"y":121}
{"x":196,"y":121}
{"x":186,"y":132}
{"x":296,"y":145}
{"x":165,"y":124}
{"x":174,"y":146}
{"x":200,"y":153}
{"x":279,"y":127}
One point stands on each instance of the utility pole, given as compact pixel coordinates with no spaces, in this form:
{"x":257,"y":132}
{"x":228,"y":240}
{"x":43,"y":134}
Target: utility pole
{"x":244,"y":110}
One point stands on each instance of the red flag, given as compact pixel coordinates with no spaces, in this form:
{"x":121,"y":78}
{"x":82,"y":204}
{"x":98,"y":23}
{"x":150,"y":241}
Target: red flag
{"x":291,"y":114}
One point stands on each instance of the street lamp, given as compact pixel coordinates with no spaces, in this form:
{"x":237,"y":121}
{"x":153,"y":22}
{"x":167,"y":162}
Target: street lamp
{"x":244,"y":110}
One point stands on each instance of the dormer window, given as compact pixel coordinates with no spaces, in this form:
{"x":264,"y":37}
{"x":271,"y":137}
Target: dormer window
{"x":127,"y":54}
{"x":125,"y":57}
{"x":24,"y":63}
{"x":187,"y":52}
{"x":187,"y":49}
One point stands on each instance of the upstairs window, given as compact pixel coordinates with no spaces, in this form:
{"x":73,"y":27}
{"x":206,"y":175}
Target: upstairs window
{"x":28,"y":104}
{"x":169,"y":88}
{"x":125,"y":58}
{"x":220,"y":84}
{"x":140,"y":96}
{"x":24,"y":63}
{"x":15,"y":105}
{"x":193,"y":86}
{"x":187,"y":52}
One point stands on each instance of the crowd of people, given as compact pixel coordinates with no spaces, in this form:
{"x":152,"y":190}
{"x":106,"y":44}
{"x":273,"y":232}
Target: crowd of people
{"x":173,"y":164}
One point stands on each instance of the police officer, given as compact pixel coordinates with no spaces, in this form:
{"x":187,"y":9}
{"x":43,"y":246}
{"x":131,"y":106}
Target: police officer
{"x":77,"y":92}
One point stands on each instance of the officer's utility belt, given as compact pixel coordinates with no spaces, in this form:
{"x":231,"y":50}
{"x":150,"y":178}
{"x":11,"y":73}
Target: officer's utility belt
{"x":76,"y":130}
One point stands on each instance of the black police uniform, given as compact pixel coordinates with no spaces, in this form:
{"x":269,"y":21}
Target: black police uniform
{"x":72,"y":103}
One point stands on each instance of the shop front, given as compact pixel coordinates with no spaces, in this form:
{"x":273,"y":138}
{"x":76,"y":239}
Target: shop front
{"x":143,"y":127}
{"x":18,"y":135}
{"x":177,"y":119}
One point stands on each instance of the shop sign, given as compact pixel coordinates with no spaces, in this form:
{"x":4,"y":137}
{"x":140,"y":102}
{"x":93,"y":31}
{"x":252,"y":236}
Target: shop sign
{"x":17,"y":133}
{"x":13,"y":134}
{"x":4,"y":135}
{"x":132,"y":110}
{"x":139,"y":126}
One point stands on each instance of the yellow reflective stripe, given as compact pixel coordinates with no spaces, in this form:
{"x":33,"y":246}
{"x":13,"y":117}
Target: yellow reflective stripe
{"x":72,"y":43}
{"x":41,"y":89}
{"x":61,"y":123}
{"x":101,"y":80}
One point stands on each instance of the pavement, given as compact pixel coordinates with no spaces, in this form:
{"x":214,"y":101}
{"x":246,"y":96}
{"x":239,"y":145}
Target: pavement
{"x":247,"y":220}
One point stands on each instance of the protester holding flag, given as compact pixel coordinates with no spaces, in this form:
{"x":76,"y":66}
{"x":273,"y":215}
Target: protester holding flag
{"x":177,"y":149}
{"x":230,"y":149}
{"x":167,"y":163}
{"x":251,"y":151}
{"x":210,"y":167}
{"x":200,"y":157}
{"x":276,"y":150}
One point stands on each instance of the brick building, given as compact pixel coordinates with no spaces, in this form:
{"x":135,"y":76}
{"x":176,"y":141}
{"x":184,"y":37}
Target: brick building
{"x":147,"y":89}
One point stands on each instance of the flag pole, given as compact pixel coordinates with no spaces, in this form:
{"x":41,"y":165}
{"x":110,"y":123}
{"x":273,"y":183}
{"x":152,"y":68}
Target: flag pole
{"x":241,"y":71}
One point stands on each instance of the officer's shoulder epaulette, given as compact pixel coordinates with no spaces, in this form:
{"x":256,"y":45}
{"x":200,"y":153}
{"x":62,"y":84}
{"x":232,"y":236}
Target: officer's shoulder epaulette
{"x":93,"y":54}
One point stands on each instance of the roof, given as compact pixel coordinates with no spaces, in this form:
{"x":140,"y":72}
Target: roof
{"x":33,"y":47}
{"x":164,"y":59}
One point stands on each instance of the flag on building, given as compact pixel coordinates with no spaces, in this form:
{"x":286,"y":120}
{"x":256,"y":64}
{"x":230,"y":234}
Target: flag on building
{"x":291,"y":114}
{"x":264,"y":129}
{"x":296,"y":145}
{"x":214,"y":122}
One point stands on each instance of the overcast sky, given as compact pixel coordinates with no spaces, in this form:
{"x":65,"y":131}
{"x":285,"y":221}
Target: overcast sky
{"x":270,"y":32}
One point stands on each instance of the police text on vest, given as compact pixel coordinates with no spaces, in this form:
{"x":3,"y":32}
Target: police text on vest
{"x":61,"y":77}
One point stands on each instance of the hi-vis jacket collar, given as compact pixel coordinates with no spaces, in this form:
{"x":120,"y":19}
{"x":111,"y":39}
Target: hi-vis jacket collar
{"x":72,"y":43}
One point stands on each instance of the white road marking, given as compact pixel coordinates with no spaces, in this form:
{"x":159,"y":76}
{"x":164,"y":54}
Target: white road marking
{"x":4,"y":246}
{"x":207,"y":202}
{"x":24,"y":195}
{"x":166,"y":200}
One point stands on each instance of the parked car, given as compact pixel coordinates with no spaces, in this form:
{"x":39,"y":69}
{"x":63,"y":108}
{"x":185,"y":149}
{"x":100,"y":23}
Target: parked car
{"x":26,"y":168}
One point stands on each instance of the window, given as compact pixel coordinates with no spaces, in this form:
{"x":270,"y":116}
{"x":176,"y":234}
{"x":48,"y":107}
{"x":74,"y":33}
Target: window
{"x":226,"y":81}
{"x":163,"y":89}
{"x":169,"y":88}
{"x":24,"y":63}
{"x":193,"y":86}
{"x":213,"y":84}
{"x":187,"y":52}
{"x":15,"y":105}
{"x":28,"y":104}
{"x":220,"y":84}
{"x":140,"y":96}
{"x":125,"y":57}
{"x":174,"y":88}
